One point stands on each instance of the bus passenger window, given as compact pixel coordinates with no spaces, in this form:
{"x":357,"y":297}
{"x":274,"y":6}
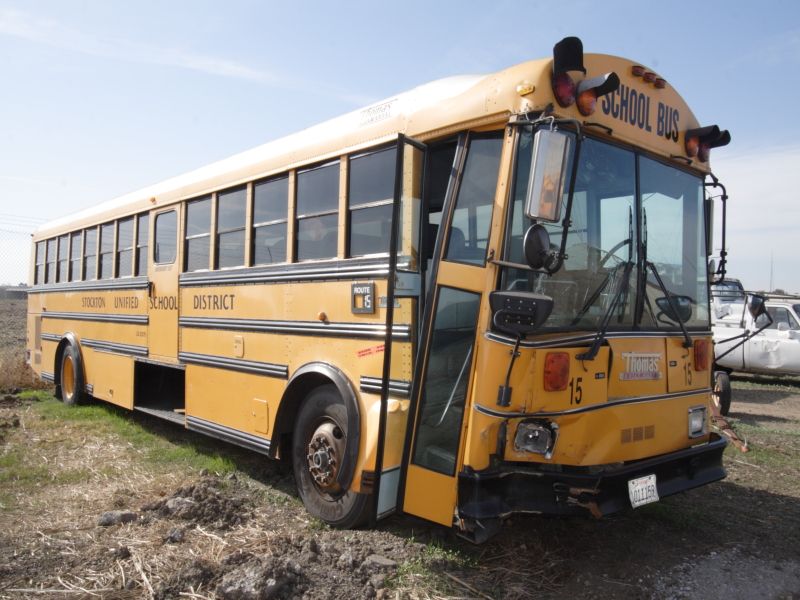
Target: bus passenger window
{"x":90,"y":254}
{"x":51,"y":261}
{"x":231,"y":207}
{"x":318,"y":212}
{"x":270,"y":209}
{"x":75,"y":257}
{"x":198,"y":235}
{"x":472,"y":217}
{"x":166,"y":232}
{"x":125,"y":247}
{"x":63,"y":257}
{"x":106,"y":258}
{"x":142,"y":232}
{"x":40,"y":253}
{"x":369,"y":199}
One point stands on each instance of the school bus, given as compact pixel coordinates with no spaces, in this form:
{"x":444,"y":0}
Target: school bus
{"x":485,"y":296}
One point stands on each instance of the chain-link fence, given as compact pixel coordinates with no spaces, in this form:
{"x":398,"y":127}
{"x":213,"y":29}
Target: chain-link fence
{"x":15,"y":248}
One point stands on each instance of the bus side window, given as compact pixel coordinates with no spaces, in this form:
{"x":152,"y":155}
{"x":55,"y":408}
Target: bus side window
{"x":231,"y":209}
{"x":142,"y":232}
{"x":90,"y":254}
{"x":76,"y":250}
{"x":40,"y":253}
{"x":166,"y":233}
{"x":198,"y":234}
{"x":270,"y":210}
{"x":51,"y":261}
{"x":369,"y":200}
{"x":317,"y":212}
{"x":125,"y":247}
{"x":106,"y":257}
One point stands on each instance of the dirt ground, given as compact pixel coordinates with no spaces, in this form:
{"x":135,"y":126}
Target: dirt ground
{"x":97,"y":502}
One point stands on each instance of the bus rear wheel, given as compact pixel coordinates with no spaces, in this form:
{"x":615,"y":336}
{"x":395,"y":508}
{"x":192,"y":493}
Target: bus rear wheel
{"x":318,"y":446}
{"x":71,"y":380}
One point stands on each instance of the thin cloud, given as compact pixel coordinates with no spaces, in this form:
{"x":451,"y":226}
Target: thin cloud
{"x":42,"y":30}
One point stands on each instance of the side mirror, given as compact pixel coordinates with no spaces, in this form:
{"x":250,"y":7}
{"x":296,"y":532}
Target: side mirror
{"x":712,"y":269}
{"x":783,"y":326}
{"x":682,"y":304}
{"x":756,"y":306}
{"x":536,"y":246}
{"x":547,"y":175}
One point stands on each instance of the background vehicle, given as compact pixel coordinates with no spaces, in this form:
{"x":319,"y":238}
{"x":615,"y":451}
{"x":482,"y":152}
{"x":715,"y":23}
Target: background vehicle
{"x":485,"y":296}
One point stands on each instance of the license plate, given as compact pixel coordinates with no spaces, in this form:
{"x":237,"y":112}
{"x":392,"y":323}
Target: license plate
{"x":643,"y":490}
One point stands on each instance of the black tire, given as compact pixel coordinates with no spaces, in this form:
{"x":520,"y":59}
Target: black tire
{"x":722,"y":392}
{"x":320,"y":435}
{"x":71,"y":381}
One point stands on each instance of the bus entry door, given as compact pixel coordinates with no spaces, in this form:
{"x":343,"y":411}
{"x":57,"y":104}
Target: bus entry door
{"x":446,"y":357}
{"x":163,"y":291}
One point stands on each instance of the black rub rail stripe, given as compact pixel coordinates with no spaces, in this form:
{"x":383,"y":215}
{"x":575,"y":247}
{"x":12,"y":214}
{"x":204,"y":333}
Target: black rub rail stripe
{"x":235,"y":364}
{"x":283,"y":273}
{"x":578,"y":339}
{"x":135,"y":283}
{"x":591,"y":408}
{"x":233,"y":436}
{"x":360,"y":330}
{"x":105,"y":346}
{"x":51,"y":337}
{"x":89,"y":388}
{"x":99,"y":317}
{"x":49,"y":377}
{"x":397,"y":387}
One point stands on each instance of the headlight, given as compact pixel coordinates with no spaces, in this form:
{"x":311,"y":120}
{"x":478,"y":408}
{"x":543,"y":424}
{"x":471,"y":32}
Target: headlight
{"x":697,"y":421}
{"x":537,"y":437}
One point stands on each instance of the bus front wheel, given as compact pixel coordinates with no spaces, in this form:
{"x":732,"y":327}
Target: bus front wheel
{"x":71,"y":380}
{"x":318,"y":446}
{"x":722,"y":392}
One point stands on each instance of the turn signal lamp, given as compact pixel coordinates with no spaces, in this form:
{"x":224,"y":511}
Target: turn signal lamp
{"x":589,"y":90}
{"x":699,"y":142}
{"x":556,"y":371}
{"x":701,"y":352}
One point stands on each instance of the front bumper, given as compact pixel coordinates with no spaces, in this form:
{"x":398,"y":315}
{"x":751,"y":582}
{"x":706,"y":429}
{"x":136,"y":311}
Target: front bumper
{"x":516,"y":488}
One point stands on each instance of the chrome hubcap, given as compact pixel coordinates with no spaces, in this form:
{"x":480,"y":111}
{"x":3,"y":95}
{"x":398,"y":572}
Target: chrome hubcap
{"x":324,"y":455}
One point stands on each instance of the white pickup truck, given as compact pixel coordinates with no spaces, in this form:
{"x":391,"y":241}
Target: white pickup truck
{"x":768,"y":343}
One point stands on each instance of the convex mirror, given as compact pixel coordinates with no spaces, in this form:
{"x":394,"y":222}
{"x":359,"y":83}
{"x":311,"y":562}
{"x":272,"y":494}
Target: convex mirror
{"x":682,"y":304}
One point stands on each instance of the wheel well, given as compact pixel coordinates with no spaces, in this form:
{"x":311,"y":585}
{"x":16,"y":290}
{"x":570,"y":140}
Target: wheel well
{"x":65,"y":341}
{"x":297,"y":390}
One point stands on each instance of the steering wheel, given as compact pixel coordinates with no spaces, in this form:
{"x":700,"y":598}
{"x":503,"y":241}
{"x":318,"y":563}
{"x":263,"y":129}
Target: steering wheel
{"x":612,"y":252}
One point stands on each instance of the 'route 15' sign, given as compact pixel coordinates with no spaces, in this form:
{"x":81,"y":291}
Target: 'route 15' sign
{"x":363,"y":298}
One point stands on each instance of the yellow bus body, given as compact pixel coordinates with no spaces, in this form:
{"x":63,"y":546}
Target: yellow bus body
{"x":244,"y":338}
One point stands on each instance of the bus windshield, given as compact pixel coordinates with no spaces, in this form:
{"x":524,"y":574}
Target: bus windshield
{"x":612,"y":235}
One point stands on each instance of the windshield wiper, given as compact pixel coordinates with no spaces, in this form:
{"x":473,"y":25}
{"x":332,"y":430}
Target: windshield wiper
{"x":616,"y":301}
{"x":687,"y":341}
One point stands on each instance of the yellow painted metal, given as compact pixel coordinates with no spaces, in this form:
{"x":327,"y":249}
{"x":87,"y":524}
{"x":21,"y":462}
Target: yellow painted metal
{"x":430,"y":495}
{"x":111,"y":376}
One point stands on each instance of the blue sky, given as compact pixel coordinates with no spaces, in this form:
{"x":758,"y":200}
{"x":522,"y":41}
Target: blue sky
{"x":99,"y":98}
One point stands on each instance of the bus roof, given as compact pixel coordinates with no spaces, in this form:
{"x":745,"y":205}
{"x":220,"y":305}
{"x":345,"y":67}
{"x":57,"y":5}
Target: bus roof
{"x":654,"y":119}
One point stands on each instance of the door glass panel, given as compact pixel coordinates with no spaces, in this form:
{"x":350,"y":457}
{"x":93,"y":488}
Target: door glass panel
{"x":445,"y":389}
{"x":166,"y":232}
{"x":469,"y":232}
